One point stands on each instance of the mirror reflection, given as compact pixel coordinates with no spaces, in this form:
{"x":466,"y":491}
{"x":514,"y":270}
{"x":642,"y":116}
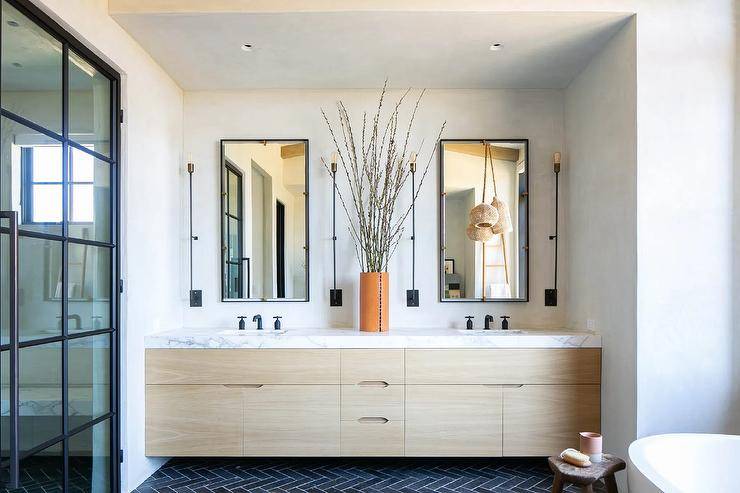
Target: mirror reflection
{"x":264,"y":226}
{"x":484,"y":225}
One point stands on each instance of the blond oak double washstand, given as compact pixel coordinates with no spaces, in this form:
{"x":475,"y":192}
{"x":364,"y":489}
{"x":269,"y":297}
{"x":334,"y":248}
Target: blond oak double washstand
{"x":370,"y":402}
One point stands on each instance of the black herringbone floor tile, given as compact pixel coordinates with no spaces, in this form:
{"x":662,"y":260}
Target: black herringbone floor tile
{"x":352,"y":476}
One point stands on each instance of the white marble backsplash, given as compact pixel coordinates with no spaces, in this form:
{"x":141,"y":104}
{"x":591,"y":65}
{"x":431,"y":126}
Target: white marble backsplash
{"x":352,"y":338}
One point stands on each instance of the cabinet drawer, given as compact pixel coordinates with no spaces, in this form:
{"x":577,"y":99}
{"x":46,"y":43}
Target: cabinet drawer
{"x":368,"y":438}
{"x":384,"y":401}
{"x":193,"y":420}
{"x":242,"y":366}
{"x":542,"y":420}
{"x":503,"y":366}
{"x":291,"y":420}
{"x":453,"y":420}
{"x":380,"y":365}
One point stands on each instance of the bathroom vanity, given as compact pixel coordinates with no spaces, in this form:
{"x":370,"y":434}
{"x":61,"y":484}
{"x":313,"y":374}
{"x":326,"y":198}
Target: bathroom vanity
{"x":334,"y":392}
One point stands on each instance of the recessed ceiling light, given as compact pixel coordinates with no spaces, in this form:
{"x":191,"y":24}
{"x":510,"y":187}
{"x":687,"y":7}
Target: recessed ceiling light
{"x":247,"y":47}
{"x":496,"y":47}
{"x":13,"y":24}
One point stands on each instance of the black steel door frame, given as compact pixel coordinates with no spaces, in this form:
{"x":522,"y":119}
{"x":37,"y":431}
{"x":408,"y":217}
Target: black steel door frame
{"x":27,"y":8}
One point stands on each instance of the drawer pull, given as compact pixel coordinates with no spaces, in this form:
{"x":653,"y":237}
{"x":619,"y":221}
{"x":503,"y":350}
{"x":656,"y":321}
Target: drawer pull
{"x":373,"y":383}
{"x":373,"y":419}
{"x":244,"y":385}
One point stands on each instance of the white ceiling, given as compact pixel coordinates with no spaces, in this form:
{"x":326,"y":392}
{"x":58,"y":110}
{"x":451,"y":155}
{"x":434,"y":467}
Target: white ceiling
{"x":362,"y":49}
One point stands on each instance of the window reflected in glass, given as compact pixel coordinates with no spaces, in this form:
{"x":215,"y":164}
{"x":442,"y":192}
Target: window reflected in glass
{"x":89,"y":197}
{"x":89,"y":270}
{"x":89,"y":105}
{"x":33,"y":167}
{"x":31,"y":71}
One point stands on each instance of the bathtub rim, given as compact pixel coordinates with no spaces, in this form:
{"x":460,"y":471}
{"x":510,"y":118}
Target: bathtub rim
{"x":651,"y":474}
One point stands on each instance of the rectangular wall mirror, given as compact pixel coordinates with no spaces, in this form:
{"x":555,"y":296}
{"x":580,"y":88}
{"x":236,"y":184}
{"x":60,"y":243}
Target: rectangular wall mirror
{"x":486,"y":261}
{"x":264,"y":220}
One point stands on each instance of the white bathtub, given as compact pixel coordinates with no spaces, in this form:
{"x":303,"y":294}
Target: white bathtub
{"x":685,"y":463}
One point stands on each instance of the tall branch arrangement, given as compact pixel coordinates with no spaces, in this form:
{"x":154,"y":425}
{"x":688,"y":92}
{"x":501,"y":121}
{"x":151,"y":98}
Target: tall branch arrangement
{"x":376,"y":169}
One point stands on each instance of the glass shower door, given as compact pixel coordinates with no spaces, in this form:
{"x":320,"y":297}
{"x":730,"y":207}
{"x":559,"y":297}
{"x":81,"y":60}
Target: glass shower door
{"x":58,"y":259}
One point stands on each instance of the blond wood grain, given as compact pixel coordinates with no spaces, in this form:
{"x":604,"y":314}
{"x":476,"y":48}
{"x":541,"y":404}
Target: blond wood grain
{"x":291,"y":420}
{"x":360,"y":365}
{"x":239,"y":366}
{"x":372,"y":438}
{"x":193,"y":420}
{"x":292,"y":150}
{"x":546,"y":419}
{"x":503,"y":366}
{"x":453,"y":420}
{"x":372,"y":400}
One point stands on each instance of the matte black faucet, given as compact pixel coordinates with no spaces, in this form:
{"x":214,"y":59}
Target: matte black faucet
{"x":242,"y":325}
{"x":258,"y":319}
{"x":488,"y":322}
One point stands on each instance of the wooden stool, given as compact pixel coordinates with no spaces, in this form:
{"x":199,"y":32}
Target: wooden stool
{"x":585,"y":477}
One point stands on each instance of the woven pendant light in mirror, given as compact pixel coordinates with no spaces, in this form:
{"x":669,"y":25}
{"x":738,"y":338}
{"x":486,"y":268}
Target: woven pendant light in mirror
{"x":479,"y":234}
{"x":503,"y":225}
{"x":483,"y":216}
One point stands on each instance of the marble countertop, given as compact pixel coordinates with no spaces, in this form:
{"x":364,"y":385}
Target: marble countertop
{"x":306,"y":338}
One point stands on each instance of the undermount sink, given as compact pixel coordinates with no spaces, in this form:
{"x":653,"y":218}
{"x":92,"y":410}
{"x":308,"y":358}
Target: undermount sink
{"x":481,"y":332}
{"x":252,"y":332}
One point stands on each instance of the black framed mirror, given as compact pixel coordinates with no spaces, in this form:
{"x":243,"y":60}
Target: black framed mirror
{"x":484,"y":220}
{"x":264,"y":220}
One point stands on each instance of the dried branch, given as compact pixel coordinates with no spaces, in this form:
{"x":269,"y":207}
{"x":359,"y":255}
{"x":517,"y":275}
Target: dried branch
{"x":375,"y":177}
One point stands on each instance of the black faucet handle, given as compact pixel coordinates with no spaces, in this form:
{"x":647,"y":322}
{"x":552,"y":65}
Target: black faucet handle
{"x":505,"y":322}
{"x":469,"y":317}
{"x":277,"y":322}
{"x":241,"y":317}
{"x":469,"y":323}
{"x":504,"y":317}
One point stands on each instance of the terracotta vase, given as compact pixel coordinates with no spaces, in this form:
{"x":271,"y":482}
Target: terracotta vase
{"x":374,"y":301}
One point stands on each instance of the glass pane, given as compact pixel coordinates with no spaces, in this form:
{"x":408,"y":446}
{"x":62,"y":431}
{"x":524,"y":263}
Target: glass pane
{"x":42,"y":472}
{"x":233,"y":193}
{"x":4,"y":405}
{"x":4,"y":284}
{"x":233,"y":290}
{"x":89,"y":196}
{"x":40,"y":383}
{"x":89,"y":105}
{"x":39,"y":287}
{"x":234,"y":240}
{"x":89,"y":459}
{"x":47,"y":164}
{"x":89,"y":269}
{"x":31,"y":167}
{"x":89,"y":378}
{"x":82,"y":166}
{"x":31,"y":71}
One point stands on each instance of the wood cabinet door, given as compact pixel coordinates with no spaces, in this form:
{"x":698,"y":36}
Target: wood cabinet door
{"x":543,"y":420}
{"x":291,"y":420}
{"x":453,"y":420}
{"x":193,"y":420}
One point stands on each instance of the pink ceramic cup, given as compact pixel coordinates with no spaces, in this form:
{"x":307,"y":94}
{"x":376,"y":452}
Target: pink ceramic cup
{"x":591,"y":445}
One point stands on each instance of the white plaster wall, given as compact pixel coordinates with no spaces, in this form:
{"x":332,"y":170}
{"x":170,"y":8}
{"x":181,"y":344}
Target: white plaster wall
{"x":291,"y":114}
{"x":151,"y":204}
{"x":600,"y":221}
{"x":736,"y":215}
{"x":685,"y":84}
